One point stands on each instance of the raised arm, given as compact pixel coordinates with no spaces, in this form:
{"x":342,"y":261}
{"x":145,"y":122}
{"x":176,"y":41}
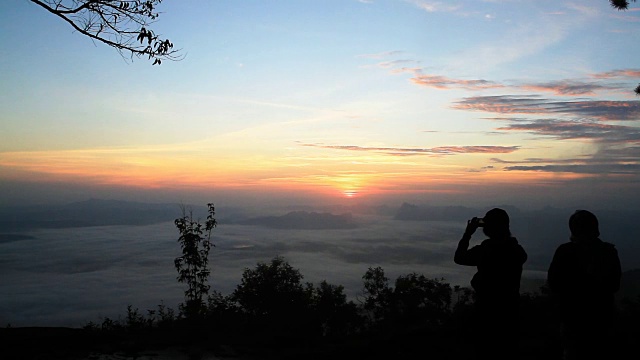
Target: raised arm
{"x":463,"y":255}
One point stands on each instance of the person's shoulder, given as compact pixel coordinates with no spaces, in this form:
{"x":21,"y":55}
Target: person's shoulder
{"x":607,"y":246}
{"x":486,"y":243}
{"x":566,"y":247}
{"x":479,"y":247}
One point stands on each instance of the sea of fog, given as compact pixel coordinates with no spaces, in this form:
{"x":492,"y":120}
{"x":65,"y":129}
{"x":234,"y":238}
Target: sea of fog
{"x":68,"y":277}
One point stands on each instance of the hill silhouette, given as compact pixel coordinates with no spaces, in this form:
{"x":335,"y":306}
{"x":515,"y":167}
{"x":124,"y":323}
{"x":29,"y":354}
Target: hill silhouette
{"x":93,"y":212}
{"x":303,"y":220}
{"x":410,"y":212}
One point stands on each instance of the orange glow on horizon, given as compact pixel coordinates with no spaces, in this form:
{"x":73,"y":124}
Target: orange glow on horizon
{"x":157,"y":169}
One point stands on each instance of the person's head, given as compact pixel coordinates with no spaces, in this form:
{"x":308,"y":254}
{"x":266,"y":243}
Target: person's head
{"x":583,"y":225}
{"x":496,"y":224}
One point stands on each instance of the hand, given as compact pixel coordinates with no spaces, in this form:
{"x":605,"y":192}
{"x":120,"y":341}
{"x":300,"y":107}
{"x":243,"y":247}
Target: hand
{"x":472,"y":226}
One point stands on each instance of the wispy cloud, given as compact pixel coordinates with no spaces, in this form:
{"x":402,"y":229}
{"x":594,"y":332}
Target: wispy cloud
{"x":394,"y":63}
{"x":627,"y":16}
{"x":581,"y":168}
{"x":525,"y":38}
{"x":614,"y":74}
{"x":564,"y":129}
{"x":405,"y":151}
{"x":618,"y":161}
{"x":442,"y":82}
{"x":381,"y":55}
{"x":503,"y":104}
{"x":617,"y":147}
{"x":582,"y":9}
{"x":532,"y":104}
{"x":539,"y":161}
{"x":568,"y":87}
{"x":593,"y":83}
{"x":434,"y":6}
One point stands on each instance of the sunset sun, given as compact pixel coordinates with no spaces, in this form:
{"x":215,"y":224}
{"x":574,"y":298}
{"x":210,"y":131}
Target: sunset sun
{"x":350,"y":193}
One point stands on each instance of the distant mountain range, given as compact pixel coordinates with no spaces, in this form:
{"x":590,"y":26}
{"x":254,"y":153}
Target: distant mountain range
{"x":97,"y":212}
{"x":92,"y":212}
{"x":411,"y":212}
{"x":540,"y":231}
{"x":304,"y":220}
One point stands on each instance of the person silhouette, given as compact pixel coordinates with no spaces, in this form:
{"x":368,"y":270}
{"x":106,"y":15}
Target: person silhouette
{"x":499,"y":260}
{"x":583,"y":276}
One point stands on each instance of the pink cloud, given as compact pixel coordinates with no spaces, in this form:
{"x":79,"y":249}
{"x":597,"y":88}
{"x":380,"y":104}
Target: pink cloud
{"x":440,"y":150}
{"x":566,"y":87}
{"x":622,"y":73}
{"x":442,"y":82}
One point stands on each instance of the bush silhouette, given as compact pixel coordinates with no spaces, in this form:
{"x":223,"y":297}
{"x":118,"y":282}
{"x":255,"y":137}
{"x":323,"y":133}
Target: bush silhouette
{"x":273,"y":313}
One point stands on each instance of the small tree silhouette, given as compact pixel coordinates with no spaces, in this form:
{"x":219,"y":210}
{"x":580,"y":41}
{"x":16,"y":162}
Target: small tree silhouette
{"x":192,"y":266}
{"x":271,"y":289}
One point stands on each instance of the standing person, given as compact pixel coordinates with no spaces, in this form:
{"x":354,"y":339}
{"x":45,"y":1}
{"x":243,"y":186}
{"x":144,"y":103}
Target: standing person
{"x":499,"y":260}
{"x":584,"y":275}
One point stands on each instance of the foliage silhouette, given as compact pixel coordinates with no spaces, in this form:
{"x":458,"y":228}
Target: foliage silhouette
{"x":273,"y":288}
{"x":336,"y":316}
{"x":192,"y":266}
{"x":275,"y":304}
{"x":123,"y":25}
{"x":415,"y":301}
{"x":327,"y":325}
{"x":377,"y":293}
{"x":620,"y":4}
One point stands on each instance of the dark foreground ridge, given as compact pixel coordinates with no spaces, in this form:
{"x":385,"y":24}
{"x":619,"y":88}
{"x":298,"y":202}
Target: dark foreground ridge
{"x":419,"y":317}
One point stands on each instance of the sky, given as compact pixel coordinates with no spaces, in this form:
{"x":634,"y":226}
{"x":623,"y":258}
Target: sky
{"x":529,"y":103}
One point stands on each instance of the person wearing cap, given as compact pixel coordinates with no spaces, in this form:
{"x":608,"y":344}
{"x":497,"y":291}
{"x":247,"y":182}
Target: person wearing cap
{"x":499,"y":260}
{"x":583,"y":276}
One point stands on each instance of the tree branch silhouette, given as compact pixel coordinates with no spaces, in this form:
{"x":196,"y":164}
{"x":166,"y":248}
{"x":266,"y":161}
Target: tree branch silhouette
{"x":123,"y":25}
{"x":620,"y":4}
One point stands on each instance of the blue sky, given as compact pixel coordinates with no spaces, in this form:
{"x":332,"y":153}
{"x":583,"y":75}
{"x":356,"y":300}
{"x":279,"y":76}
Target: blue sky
{"x":528,"y":102}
